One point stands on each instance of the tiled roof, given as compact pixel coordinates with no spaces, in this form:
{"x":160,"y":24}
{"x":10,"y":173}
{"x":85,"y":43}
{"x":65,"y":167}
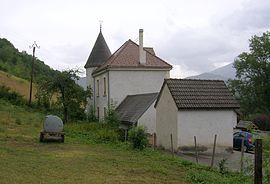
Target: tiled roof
{"x":127,"y":56}
{"x":244,"y":124}
{"x":134,"y":106}
{"x":201,"y":94}
{"x":99,"y":54}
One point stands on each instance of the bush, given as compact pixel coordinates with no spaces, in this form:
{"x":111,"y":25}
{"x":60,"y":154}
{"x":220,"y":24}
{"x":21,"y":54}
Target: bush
{"x":11,"y":96}
{"x":112,"y":118}
{"x":107,"y":135}
{"x":262,"y":121}
{"x":138,"y":137}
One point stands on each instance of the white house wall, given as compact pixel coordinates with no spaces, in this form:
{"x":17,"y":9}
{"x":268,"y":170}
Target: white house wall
{"x":148,"y":119}
{"x":204,"y":124}
{"x":166,"y":120}
{"x":128,"y":82}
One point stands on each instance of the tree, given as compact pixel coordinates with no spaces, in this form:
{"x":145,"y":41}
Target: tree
{"x":70,"y":96}
{"x":252,"y":84}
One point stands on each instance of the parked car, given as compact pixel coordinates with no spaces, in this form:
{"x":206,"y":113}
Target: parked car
{"x":248,"y":141}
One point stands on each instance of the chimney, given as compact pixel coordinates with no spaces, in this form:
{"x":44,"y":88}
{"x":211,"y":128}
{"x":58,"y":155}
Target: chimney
{"x":142,"y":53}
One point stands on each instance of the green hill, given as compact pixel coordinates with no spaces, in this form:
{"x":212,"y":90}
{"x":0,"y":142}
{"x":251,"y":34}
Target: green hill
{"x":19,"y":63}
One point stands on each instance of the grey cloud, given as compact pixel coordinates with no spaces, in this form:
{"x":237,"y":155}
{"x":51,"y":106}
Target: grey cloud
{"x":252,"y":15}
{"x":196,"y":49}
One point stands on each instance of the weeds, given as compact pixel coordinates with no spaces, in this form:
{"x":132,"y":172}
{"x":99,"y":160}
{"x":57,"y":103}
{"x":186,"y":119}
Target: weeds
{"x":222,"y":166}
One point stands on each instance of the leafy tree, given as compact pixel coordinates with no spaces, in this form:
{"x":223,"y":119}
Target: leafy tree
{"x":70,"y":97}
{"x":252,"y":85}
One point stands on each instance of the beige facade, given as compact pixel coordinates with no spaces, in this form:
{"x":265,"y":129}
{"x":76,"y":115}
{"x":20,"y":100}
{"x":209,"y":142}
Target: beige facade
{"x":166,"y":119}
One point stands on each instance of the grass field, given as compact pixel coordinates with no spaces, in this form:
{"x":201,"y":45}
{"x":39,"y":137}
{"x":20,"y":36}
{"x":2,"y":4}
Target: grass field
{"x":16,"y":84}
{"x":83,"y":159}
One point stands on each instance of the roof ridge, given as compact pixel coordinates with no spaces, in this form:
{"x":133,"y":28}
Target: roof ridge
{"x":215,"y":80}
{"x":142,"y":94}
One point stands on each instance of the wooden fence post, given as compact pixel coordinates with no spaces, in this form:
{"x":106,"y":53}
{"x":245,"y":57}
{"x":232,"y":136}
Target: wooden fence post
{"x":214,"y":150}
{"x":196,"y":151}
{"x":154,"y":140}
{"x":125,"y":135}
{"x":242,"y":155}
{"x":258,"y":162}
{"x":172,"y":145}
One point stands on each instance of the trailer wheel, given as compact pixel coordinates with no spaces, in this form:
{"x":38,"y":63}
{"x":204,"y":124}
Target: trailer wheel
{"x":62,"y":138}
{"x":41,"y":137}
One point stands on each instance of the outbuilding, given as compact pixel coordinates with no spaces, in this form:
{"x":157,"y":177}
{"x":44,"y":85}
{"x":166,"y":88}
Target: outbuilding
{"x":137,"y":110}
{"x":186,"y":108}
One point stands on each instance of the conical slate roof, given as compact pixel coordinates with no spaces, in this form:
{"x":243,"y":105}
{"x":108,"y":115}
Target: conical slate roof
{"x":99,"y":54}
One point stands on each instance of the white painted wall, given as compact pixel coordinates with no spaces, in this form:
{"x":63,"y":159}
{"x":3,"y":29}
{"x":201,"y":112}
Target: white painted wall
{"x":166,"y":119}
{"x":131,"y":82}
{"x":148,"y":119}
{"x":204,"y":124}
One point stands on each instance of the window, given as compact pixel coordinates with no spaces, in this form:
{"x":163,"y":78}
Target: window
{"x":98,"y":113}
{"x":97,"y":87}
{"x":105,"y":112}
{"x":104,"y":87}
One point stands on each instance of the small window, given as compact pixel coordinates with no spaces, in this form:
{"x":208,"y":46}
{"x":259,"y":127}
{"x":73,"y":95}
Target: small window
{"x":98,"y":113}
{"x":97,"y":88}
{"x":105,"y":112}
{"x":104,"y":87}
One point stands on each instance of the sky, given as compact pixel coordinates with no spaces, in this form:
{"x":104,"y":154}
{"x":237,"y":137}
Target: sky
{"x":194,"y":36}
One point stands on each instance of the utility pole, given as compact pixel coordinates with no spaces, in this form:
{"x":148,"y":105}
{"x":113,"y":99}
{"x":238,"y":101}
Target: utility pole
{"x":34,"y":46}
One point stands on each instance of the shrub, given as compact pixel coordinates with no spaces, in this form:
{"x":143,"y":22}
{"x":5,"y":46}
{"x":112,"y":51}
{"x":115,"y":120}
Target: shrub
{"x":262,"y":121}
{"x":222,"y":166}
{"x":91,"y":116}
{"x":138,"y":137}
{"x":112,"y":118}
{"x":107,"y":135}
{"x":11,"y":96}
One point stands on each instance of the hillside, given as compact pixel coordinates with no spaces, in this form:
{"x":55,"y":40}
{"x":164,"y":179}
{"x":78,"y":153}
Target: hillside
{"x":17,"y":84}
{"x":222,"y":73}
{"x":19,"y":63}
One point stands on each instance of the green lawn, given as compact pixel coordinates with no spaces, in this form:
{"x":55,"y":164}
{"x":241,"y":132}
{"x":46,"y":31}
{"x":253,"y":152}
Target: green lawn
{"x":83,"y":159}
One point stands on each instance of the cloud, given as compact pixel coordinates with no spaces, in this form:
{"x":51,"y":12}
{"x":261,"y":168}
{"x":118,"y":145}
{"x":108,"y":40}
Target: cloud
{"x":196,"y":49}
{"x":181,"y":71}
{"x":252,"y":15}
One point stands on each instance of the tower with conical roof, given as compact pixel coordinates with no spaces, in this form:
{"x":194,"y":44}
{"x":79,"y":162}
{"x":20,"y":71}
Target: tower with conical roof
{"x":98,"y":56}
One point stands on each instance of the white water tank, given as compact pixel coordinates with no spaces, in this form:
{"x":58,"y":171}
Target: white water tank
{"x":53,"y":123}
